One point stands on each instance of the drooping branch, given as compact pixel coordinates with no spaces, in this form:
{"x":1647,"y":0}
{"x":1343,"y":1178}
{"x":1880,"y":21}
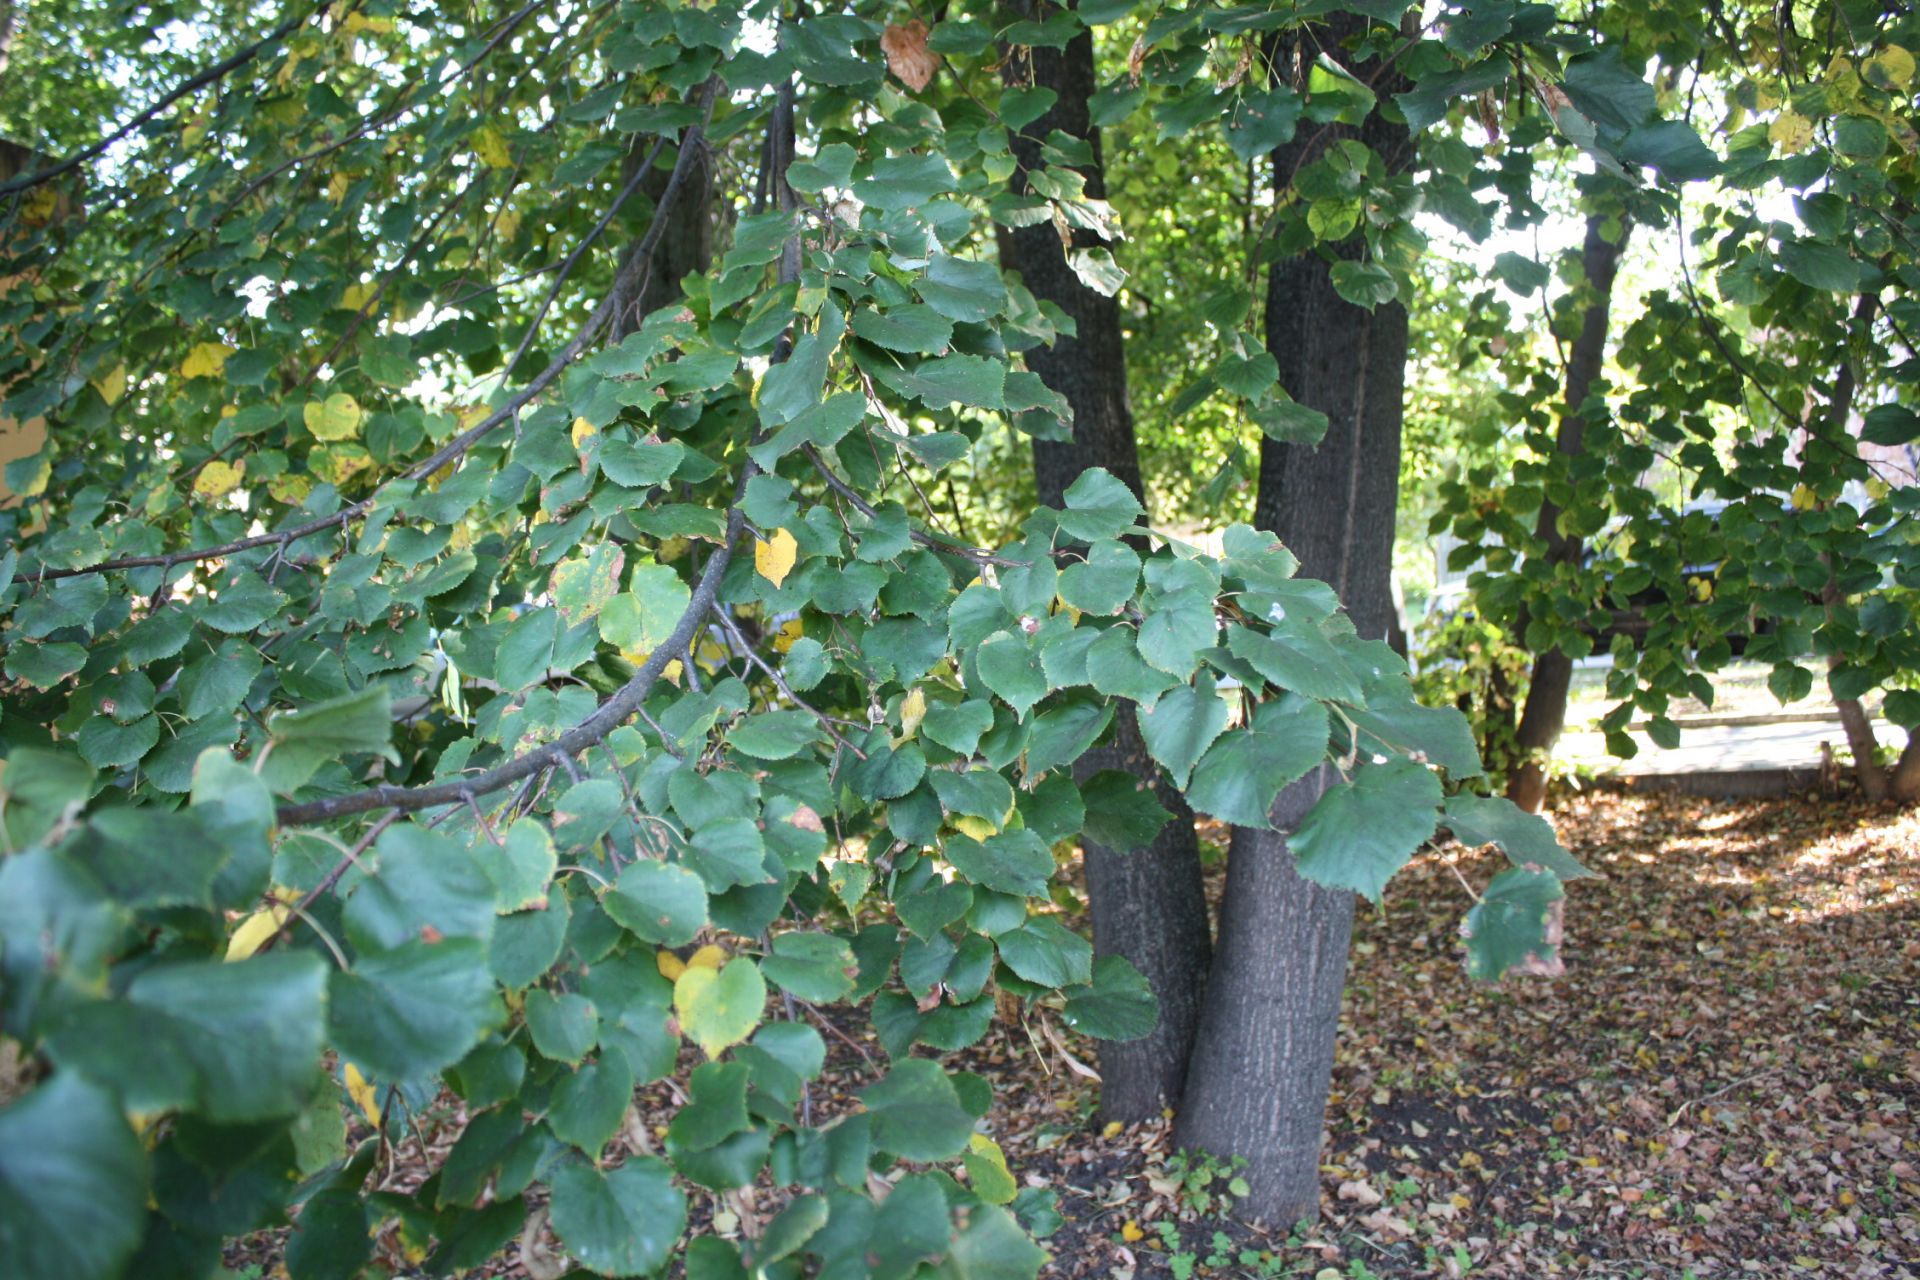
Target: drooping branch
{"x":610,"y":715}
{"x":218,"y":71}
{"x":636,"y":260}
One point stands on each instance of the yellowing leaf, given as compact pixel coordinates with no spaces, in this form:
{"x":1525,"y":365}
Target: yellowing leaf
{"x":987,"y":1170}
{"x":492,"y":149}
{"x":1112,"y":1130}
{"x":335,"y":418}
{"x":774,"y":557}
{"x":913,"y":709}
{"x":1803,"y":498}
{"x":790,"y":631}
{"x":337,"y":187}
{"x":291,"y":489}
{"x":113,"y":385}
{"x":1130,"y":1232}
{"x":670,"y":965}
{"x":254,"y":931}
{"x":206,"y":360}
{"x":1891,"y":68}
{"x":507,"y":223}
{"x":582,"y":432}
{"x":218,"y":479}
{"x":1791,"y":132}
{"x":362,"y":1094}
{"x":361,"y":22}
{"x":711,"y":956}
{"x":356,"y":296}
{"x":339,"y":463}
{"x":978,"y":828}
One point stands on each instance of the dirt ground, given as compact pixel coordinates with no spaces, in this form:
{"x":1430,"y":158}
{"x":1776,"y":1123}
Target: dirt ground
{"x":1724,"y":1083}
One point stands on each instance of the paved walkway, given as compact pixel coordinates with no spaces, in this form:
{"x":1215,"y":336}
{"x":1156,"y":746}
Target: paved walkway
{"x":1729,"y":759}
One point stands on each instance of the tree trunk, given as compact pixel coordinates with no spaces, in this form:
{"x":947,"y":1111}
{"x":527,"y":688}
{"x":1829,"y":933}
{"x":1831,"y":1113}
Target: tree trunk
{"x":1904,"y":782}
{"x":1149,"y":905}
{"x":1257,"y":1085}
{"x":1546,"y":710}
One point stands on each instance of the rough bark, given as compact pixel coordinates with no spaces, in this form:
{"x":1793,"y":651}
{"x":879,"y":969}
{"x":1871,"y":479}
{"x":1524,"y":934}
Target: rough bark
{"x":1546,"y":709}
{"x":1904,"y":782}
{"x":687,"y":246}
{"x":1148,"y":905}
{"x":1257,"y":1084}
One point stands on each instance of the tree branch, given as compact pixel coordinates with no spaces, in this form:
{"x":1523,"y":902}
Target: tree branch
{"x":610,"y":715}
{"x":194,"y":83}
{"x":460,"y":444}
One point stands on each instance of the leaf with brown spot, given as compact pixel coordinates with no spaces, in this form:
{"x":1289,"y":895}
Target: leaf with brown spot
{"x":908,"y":57}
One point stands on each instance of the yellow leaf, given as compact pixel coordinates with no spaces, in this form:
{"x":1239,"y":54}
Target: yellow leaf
{"x":774,"y":557}
{"x":335,"y":418}
{"x":913,"y":709}
{"x":469,"y":414}
{"x":112,"y":386}
{"x":790,"y":631}
{"x":254,"y":931}
{"x":507,"y":223}
{"x":1112,"y":1130}
{"x":492,"y":149}
{"x":218,"y":479}
{"x":1803,"y":498}
{"x":670,"y":965}
{"x":356,"y":296}
{"x":710,"y":956}
{"x":1130,"y":1232}
{"x":361,"y":22}
{"x":337,"y":187}
{"x":206,"y":360}
{"x":362,"y":1094}
{"x":1791,"y":132}
{"x":1891,"y":68}
{"x":338,"y":464}
{"x":583,"y":431}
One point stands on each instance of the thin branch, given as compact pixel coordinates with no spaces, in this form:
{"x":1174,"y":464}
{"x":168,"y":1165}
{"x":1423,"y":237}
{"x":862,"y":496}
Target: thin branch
{"x":732,"y":628}
{"x":458,"y":446}
{"x":921,"y":536}
{"x":611,"y":715}
{"x":191,"y":85}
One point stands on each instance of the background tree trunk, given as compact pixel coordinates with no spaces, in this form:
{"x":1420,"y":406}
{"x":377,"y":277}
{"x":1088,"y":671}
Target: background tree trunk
{"x":1257,"y":1085}
{"x":1546,"y":710}
{"x":1149,"y":905}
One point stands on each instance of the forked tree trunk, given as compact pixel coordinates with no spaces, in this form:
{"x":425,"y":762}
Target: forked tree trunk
{"x":1148,"y":905}
{"x":1257,"y":1083}
{"x":1546,"y":709}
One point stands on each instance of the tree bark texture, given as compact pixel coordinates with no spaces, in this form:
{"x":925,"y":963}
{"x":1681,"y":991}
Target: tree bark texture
{"x":1546,"y":710}
{"x":1148,"y":905}
{"x":1257,"y":1085}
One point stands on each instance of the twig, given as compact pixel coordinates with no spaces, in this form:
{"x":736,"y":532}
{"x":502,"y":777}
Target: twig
{"x":780,"y":682}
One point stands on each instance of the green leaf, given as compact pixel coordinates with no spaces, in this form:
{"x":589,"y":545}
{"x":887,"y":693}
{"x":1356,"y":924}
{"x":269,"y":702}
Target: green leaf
{"x":1181,"y":726}
{"x":970,"y":292}
{"x":304,"y":740}
{"x":232,"y":1042}
{"x":1015,"y":862}
{"x":1242,"y":774}
{"x":1104,"y":581}
{"x":1010,"y":666}
{"x":1822,"y":266}
{"x":916,"y":1112}
{"x":1123,"y":813}
{"x":813,"y":966}
{"x":640,"y":620}
{"x":1046,"y":952}
{"x":948,"y":380}
{"x":1099,"y":507}
{"x":993,"y":1247}
{"x":623,"y":1222}
{"x":915,"y":328}
{"x":1117,"y":1005}
{"x":1441,"y":734}
{"x":1363,"y":831}
{"x":520,"y":867}
{"x":1364,"y":284}
{"x":589,"y":1104}
{"x":1509,"y":923}
{"x":661,"y":902}
{"x":402,"y":1014}
{"x":564,"y":1026}
{"x":73,"y":1184}
{"x":957,"y":726}
{"x":1526,"y":838}
{"x":421,"y":886}
{"x":721,"y":1008}
{"x":1297,"y":656}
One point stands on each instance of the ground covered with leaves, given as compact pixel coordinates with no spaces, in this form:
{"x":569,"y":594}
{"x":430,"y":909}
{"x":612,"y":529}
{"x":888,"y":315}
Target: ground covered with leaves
{"x":1724,"y":1083}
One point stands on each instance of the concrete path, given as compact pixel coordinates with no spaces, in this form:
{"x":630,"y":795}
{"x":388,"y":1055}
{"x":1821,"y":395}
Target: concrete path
{"x":1723,"y":759}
